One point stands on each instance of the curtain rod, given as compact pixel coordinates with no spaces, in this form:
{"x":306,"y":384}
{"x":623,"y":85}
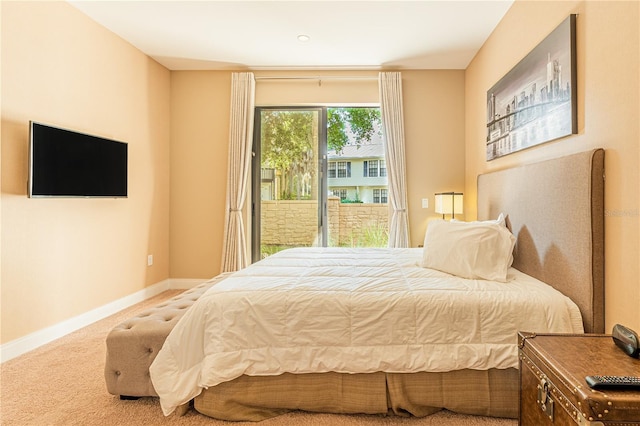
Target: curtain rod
{"x":318,"y":77}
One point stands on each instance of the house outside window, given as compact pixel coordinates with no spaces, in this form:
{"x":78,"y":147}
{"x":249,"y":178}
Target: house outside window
{"x":339,"y":169}
{"x":331,"y":170}
{"x":380,"y":196}
{"x":342,"y":193}
{"x":375,"y":168}
{"x":360,"y":169}
{"x":371,"y":168}
{"x":344,"y":169}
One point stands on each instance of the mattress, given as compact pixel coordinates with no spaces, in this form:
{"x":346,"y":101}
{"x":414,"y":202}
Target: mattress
{"x":315,"y":310}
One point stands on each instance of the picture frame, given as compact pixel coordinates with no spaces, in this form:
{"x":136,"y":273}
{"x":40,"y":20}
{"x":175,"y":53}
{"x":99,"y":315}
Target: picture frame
{"x":536,"y":101}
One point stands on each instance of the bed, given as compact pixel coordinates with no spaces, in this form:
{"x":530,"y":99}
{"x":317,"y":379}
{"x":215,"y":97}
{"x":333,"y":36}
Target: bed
{"x":334,"y":347}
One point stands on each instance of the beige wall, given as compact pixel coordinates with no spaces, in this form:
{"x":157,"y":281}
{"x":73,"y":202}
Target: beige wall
{"x":434,"y":132}
{"x":199,"y":141}
{"x":608,"y":46}
{"x":434,"y":114}
{"x":65,"y":257}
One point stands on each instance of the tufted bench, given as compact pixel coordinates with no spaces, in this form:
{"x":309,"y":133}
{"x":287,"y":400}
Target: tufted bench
{"x":133,"y":344}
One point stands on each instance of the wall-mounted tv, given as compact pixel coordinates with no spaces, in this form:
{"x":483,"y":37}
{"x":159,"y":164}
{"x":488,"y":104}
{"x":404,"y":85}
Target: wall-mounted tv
{"x":64,"y":163}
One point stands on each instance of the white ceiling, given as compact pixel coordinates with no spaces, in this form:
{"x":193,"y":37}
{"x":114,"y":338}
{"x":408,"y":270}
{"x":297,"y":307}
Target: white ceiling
{"x":197,"y":35}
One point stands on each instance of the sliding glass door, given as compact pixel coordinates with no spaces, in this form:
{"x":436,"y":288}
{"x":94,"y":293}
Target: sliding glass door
{"x":319,"y":179}
{"x":288,"y":170}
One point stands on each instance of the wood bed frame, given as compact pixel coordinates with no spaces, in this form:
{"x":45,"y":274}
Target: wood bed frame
{"x":555,"y":209}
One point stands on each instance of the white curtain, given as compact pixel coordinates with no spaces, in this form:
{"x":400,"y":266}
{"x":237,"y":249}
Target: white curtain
{"x":234,"y":251}
{"x":390,"y":84}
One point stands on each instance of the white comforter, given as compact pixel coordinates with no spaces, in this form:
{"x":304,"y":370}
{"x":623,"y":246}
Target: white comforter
{"x":351,"y":311}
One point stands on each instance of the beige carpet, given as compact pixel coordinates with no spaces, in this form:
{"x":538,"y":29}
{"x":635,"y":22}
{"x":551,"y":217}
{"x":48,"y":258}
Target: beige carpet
{"x":62,"y":383}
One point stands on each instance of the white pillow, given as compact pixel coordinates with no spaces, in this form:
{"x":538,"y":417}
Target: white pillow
{"x":475,"y":250}
{"x":501,"y":220}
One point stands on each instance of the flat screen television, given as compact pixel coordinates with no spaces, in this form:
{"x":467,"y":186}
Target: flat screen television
{"x":64,"y":163}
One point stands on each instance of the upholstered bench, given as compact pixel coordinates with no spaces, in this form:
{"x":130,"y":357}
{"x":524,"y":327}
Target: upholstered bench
{"x":133,"y":344}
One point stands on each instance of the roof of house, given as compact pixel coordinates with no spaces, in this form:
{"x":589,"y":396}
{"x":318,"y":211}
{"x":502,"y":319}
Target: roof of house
{"x":374,"y":150}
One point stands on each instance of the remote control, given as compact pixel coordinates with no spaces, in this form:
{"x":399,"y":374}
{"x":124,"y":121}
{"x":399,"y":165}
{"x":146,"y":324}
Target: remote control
{"x":620,"y":382}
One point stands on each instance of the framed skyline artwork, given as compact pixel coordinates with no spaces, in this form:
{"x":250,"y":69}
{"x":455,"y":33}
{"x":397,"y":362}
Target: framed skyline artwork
{"x":536,"y":101}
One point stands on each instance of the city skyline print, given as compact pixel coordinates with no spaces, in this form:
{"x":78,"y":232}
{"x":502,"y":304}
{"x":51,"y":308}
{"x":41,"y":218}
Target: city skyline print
{"x":536,"y":101}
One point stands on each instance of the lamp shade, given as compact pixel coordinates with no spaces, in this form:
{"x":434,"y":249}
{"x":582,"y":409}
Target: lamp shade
{"x":449,"y":203}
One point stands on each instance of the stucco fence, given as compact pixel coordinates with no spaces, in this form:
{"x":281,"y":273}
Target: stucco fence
{"x":295,"y":223}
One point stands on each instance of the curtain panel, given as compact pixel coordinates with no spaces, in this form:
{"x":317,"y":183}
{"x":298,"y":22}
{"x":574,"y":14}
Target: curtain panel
{"x":234,"y":251}
{"x":390,"y":85}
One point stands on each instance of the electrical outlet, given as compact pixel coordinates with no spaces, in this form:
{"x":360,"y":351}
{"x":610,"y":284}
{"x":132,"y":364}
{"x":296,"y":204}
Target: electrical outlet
{"x":150,"y":260}
{"x":425,"y":203}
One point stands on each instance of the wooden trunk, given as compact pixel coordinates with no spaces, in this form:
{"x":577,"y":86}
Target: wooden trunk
{"x":553,"y":390}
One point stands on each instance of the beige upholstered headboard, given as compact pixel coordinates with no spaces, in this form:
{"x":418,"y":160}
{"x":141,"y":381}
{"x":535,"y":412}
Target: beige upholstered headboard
{"x":555,"y":209}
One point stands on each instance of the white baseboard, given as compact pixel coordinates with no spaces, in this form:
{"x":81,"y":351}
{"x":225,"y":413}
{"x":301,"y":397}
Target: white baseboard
{"x":32,"y":341}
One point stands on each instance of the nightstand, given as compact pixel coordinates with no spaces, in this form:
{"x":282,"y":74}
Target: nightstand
{"x":553,"y":390}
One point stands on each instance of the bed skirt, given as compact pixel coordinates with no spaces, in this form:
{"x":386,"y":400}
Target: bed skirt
{"x":479,"y":392}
